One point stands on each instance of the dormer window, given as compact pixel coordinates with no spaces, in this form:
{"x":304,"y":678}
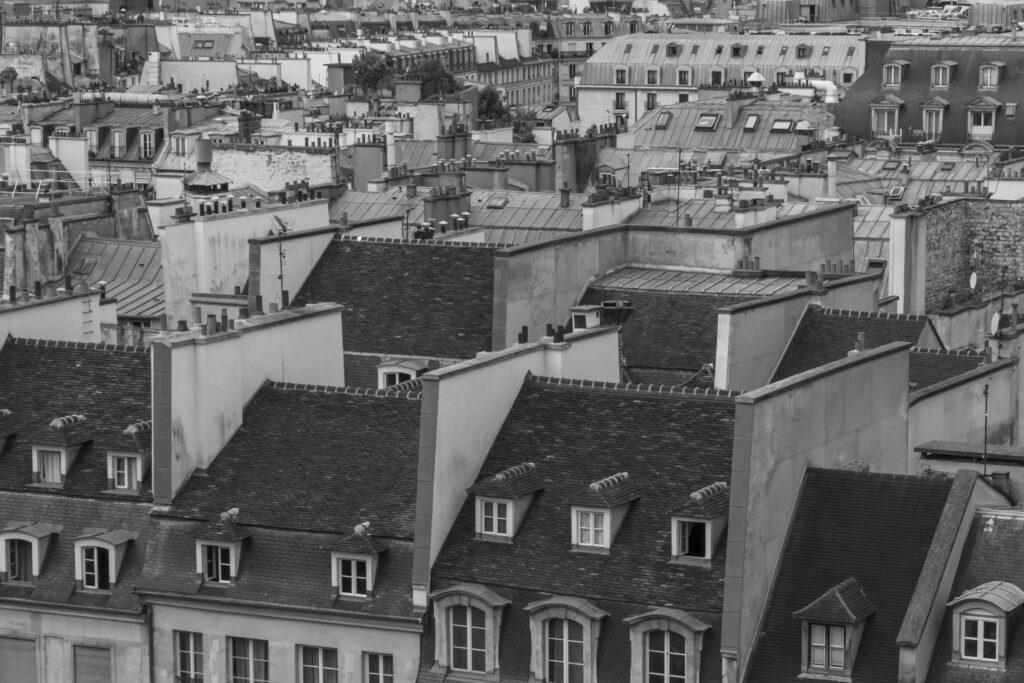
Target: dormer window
{"x":56,"y":447}
{"x":892,"y":73}
{"x":707,"y":122}
{"x":394,"y":371}
{"x":941,"y":74}
{"x":803,"y":51}
{"x":739,"y":50}
{"x":698,"y":525}
{"x":988,"y":75}
{"x":620,"y":76}
{"x":982,"y":617}
{"x":219,"y":549}
{"x":502,"y":500}
{"x":98,"y":557}
{"x":598,"y":512}
{"x":652,"y":76}
{"x":832,"y":629}
{"x":49,"y":465}
{"x":354,"y":562}
{"x":24,"y":547}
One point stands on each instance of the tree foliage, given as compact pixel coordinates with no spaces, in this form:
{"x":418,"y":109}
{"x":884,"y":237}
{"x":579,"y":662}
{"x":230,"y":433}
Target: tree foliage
{"x":8,"y":75}
{"x":435,"y":79}
{"x":522,"y":125}
{"x":372,"y":71}
{"x":490,"y":105}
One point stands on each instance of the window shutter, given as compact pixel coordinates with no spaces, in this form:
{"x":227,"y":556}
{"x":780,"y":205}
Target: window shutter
{"x":92,"y":664}
{"x":18,"y":659}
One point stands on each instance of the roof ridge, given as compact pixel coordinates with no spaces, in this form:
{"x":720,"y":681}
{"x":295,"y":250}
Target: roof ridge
{"x":948,"y":352}
{"x":388,"y":392}
{"x":880,"y":315}
{"x":637,"y":387}
{"x":413,"y":241}
{"x":62,"y":344}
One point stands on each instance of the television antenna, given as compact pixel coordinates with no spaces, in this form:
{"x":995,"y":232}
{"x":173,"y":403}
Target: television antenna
{"x":280,"y":232}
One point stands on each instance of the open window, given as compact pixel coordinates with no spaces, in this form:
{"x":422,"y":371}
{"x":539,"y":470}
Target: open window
{"x":392,"y":371}
{"x":698,"y":524}
{"x":99,"y":554}
{"x":24,"y":546}
{"x":219,"y":549}
{"x":832,"y":628}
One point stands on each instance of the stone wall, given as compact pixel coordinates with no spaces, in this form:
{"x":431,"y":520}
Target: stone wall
{"x":269,"y":168}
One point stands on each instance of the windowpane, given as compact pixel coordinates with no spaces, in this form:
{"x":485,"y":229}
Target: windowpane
{"x":49,"y":466}
{"x":468,"y":639}
{"x":190,"y":656}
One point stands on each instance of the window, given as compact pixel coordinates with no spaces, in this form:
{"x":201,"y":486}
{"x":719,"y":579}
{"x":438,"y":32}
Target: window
{"x":652,"y":77}
{"x":573,"y":70}
{"x":827,"y":647}
{"x":607,"y":29}
{"x":620,"y":100}
{"x":468,"y":636}
{"x":50,"y":471}
{"x":379,"y":668}
{"x":217,"y":563}
{"x":784,"y":50}
{"x":92,"y":136}
{"x":147,"y":145}
{"x":117,"y":151}
{"x":738,"y":50}
{"x":850,"y":51}
{"x":989,"y":76}
{"x":180,"y":145}
{"x":564,"y":651}
{"x":633,"y":27}
{"x":590,"y":528}
{"x":825,"y":50}
{"x":760,"y":50}
{"x":19,"y":560}
{"x":203,"y":44}
{"x":706,"y":122}
{"x":393,"y":378}
{"x":494,"y":517}
{"x":672,"y":50}
{"x":124,"y":472}
{"x":620,"y":77}
{"x":803,"y":51}
{"x":95,"y":567}
{"x":683,"y":77}
{"x":892,"y":75}
{"x":782,"y":125}
{"x":718,"y":50}
{"x":717,"y":77}
{"x":932,"y":123}
{"x":751,"y":122}
{"x":249,"y":661}
{"x":1011,"y":110}
{"x":979,"y":638}
{"x":92,"y":664}
{"x":652,"y":101}
{"x":884,"y":121}
{"x":847,"y":77}
{"x":189,"y":662}
{"x":940,"y":76}
{"x":691,"y":539}
{"x":629,"y":48}
{"x":586,"y":29}
{"x":19,"y":658}
{"x":654,"y":49}
{"x":318,"y":664}
{"x":981,"y":124}
{"x":569,"y":29}
{"x":666,"y":657}
{"x":353,"y":576}
{"x":661,"y":123}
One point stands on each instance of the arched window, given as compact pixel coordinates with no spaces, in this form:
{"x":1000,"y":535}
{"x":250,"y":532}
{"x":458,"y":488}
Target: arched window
{"x":564,"y":632}
{"x":467,"y":639}
{"x":665,"y":656}
{"x":564,"y":651}
{"x":665,"y":646}
{"x":467,"y":628}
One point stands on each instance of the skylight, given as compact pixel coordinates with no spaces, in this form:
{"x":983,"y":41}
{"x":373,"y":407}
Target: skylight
{"x":782,"y":125}
{"x":707,"y":122}
{"x":751,"y":122}
{"x":662,"y":122}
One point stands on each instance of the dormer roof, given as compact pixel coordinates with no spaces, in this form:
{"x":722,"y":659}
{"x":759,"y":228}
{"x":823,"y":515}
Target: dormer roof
{"x":112,"y":536}
{"x":68,"y":430}
{"x":610,"y":492}
{"x":34,"y":529}
{"x":360,"y":542}
{"x":844,"y":603}
{"x":222,"y":529}
{"x":512,"y":482}
{"x":709,"y":502}
{"x":137,"y":437}
{"x":1001,"y":594}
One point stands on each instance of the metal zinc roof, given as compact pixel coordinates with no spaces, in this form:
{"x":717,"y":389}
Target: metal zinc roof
{"x":689,"y":282}
{"x":872,"y":222}
{"x":1002,"y":594}
{"x":701,"y":49}
{"x":703,"y":214}
{"x":529,"y":210}
{"x":132,"y":270}
{"x":365,"y":206}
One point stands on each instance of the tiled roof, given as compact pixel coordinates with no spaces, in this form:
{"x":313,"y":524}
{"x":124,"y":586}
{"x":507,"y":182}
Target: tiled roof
{"x":278,"y":567}
{"x":364,"y":543}
{"x":408,"y":297}
{"x":312,"y":458}
{"x":580,"y":433}
{"x":667,"y":330}
{"x":842,"y":604}
{"x":73,"y":518}
{"x":705,"y":216}
{"x":222,"y":528}
{"x":826,"y":335}
{"x":611,"y":492}
{"x":931,"y":366}
{"x":69,"y":430}
{"x":42,"y":380}
{"x":512,"y":482}
{"x":876,"y":528}
{"x":708,"y":502}
{"x":993,"y":552}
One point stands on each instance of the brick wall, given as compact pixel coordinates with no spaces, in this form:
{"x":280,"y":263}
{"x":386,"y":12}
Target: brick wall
{"x":972,"y":235}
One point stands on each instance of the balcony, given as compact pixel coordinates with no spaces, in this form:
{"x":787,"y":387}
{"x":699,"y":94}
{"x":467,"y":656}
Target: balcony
{"x":619,"y":106}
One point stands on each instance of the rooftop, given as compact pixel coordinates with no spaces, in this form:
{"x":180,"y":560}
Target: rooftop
{"x":132,"y":270}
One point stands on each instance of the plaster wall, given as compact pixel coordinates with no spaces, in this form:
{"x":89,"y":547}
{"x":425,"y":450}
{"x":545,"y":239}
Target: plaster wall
{"x":283,"y":635}
{"x":57,"y":633}
{"x":269,"y":168}
{"x":74,"y":154}
{"x":211,"y":253}
{"x":609,"y":212}
{"x":300,"y":253}
{"x":457,"y":428}
{"x":76,"y":318}
{"x":200,"y":75}
{"x":202,"y":384}
{"x":816,"y":420}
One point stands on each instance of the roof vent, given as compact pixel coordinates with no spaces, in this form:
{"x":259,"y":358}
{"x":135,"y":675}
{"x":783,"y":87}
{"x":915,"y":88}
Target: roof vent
{"x":608,"y":482}
{"x":514,"y":471}
{"x":139,"y":427}
{"x":5,"y":412}
{"x":362,"y":529}
{"x":709,"y":491}
{"x":229,"y":515}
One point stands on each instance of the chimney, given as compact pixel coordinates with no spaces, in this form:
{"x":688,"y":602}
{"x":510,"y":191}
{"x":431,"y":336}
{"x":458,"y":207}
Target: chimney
{"x":410,"y":190}
{"x":564,"y":191}
{"x":204,"y":154}
{"x":858,"y":345}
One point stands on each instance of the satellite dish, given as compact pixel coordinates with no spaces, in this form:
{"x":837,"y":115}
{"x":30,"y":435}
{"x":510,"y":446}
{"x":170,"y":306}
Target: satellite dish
{"x":974,"y":280}
{"x":994,"y":325}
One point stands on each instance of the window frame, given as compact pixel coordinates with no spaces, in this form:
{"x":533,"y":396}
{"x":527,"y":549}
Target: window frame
{"x":892,"y":76}
{"x":136,"y":471}
{"x":467,"y":641}
{"x":37,"y":464}
{"x":835,"y":638}
{"x":89,"y":554}
{"x":190,"y":645}
{"x":981,"y":616}
{"x":940,"y":76}
{"x":378,"y":676}
{"x":481,"y":516}
{"x":680,"y":523}
{"x":24,"y":560}
{"x":320,"y":667}
{"x":580,"y":513}
{"x":670,"y":620}
{"x":684,"y":76}
{"x":337,"y":575}
{"x":562,"y":607}
{"x":201,"y":561}
{"x":652,"y":76}
{"x":666,"y":675}
{"x":621,"y":75}
{"x":477,"y":597}
{"x":988,"y":77}
{"x":250,"y":659}
{"x":567,"y":640}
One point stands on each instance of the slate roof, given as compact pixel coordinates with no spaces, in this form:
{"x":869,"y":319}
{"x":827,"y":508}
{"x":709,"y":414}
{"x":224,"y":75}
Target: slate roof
{"x":844,"y":603}
{"x":512,"y":482}
{"x":345,"y":439}
{"x":77,"y":517}
{"x":43,"y":380}
{"x":931,"y":366}
{"x":826,"y":335}
{"x":408,"y":297}
{"x":708,"y":502}
{"x":675,"y":443}
{"x":876,"y":528}
{"x":993,"y":551}
{"x":668,"y":331}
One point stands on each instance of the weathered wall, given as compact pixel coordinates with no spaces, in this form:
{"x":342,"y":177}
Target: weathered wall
{"x":269,"y":168}
{"x":77,"y":318}
{"x":834,"y":427}
{"x":457,"y":429}
{"x":283,"y":635}
{"x":56,"y":634}
{"x":292,"y":257}
{"x":202,"y":383}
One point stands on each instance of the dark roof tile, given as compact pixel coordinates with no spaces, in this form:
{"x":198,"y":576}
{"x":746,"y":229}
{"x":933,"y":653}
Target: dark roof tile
{"x":842,"y":604}
{"x":931,"y":366}
{"x":709,"y":502}
{"x":512,"y":482}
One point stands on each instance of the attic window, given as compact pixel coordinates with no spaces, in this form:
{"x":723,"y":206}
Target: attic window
{"x":84,"y":266}
{"x":890,"y":165}
{"x":502,"y":500}
{"x":203,"y":44}
{"x":219,"y":549}
{"x":654,"y":49}
{"x":751,"y":122}
{"x":98,"y":557}
{"x":784,"y":50}
{"x":599,"y":510}
{"x":695,"y":49}
{"x":832,"y":628}
{"x":825,"y":50}
{"x":1011,"y":110}
{"x":946,"y":166}
{"x":698,"y":525}
{"x":628,"y":48}
{"x":354,"y":561}
{"x":24,"y":546}
{"x":672,"y":50}
{"x":718,"y":49}
{"x":760,"y":50}
{"x":982,"y":617}
{"x":782,"y":125}
{"x":662,"y":121}
{"x":850,"y":51}
{"x":707,"y":122}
